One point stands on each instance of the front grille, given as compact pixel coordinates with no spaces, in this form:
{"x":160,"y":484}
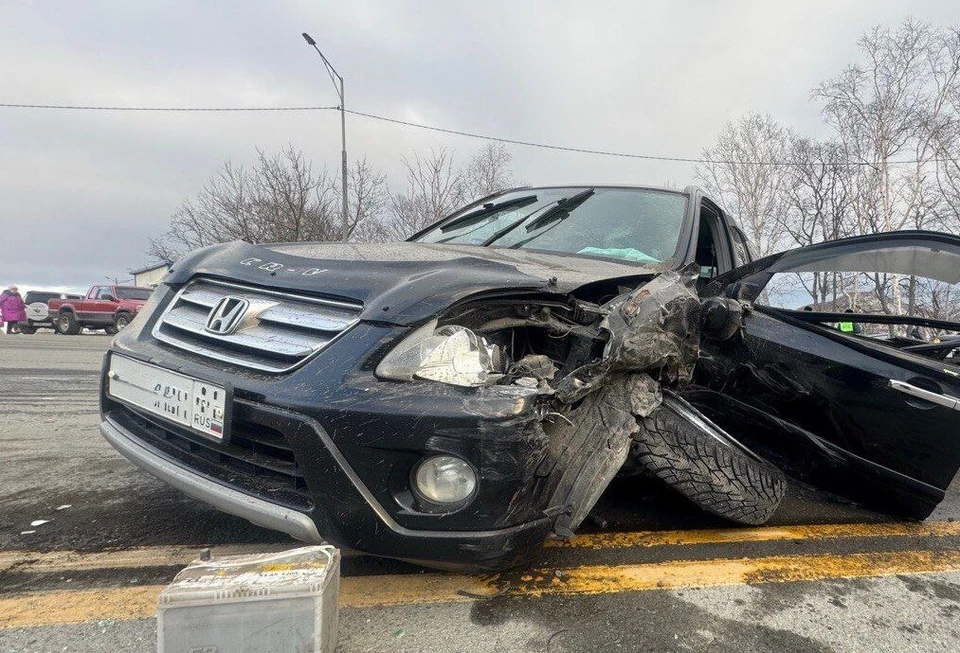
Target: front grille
{"x":278,"y":332}
{"x":257,"y":460}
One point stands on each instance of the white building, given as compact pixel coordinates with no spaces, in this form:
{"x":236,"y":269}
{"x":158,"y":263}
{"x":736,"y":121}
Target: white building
{"x":152,"y":275}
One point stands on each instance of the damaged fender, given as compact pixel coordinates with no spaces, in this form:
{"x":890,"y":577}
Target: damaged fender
{"x":653,"y":337}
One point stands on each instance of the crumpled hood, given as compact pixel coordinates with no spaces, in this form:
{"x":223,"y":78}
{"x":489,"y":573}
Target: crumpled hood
{"x":400,"y":283}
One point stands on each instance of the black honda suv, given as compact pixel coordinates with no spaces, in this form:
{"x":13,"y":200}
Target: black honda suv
{"x":455,"y":399}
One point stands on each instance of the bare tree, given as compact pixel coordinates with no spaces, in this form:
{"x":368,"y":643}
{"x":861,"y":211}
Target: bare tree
{"x":944,"y":131}
{"x":895,"y":117}
{"x":291,"y":203}
{"x":435,"y":186}
{"x":893,"y":163}
{"x":368,"y":202}
{"x":818,"y":198}
{"x":280,"y":199}
{"x":488,"y":171}
{"x":434,"y":189}
{"x":877,"y":111}
{"x":755,"y":194}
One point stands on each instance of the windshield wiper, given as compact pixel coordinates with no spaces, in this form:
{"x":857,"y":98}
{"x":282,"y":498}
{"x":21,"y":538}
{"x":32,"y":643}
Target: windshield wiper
{"x":476,"y":216}
{"x":560,"y":210}
{"x":562,"y":204}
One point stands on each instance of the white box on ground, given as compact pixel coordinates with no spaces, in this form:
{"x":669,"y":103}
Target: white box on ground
{"x":253,"y":604}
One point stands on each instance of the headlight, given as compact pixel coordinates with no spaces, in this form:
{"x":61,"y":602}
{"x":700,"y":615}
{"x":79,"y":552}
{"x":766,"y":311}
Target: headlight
{"x":445,"y":479}
{"x":451,"y":354}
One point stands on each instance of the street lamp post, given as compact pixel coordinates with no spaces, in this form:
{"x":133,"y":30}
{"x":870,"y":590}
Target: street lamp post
{"x":336,"y":77}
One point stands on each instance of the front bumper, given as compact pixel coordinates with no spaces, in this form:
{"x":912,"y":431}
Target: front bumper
{"x":343,"y":511}
{"x":260,"y":512}
{"x":329,"y":450}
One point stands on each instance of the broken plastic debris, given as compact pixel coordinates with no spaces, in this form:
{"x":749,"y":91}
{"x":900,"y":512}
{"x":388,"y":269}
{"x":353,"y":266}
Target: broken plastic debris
{"x":64,"y":506}
{"x":39,"y":522}
{"x":27,"y":532}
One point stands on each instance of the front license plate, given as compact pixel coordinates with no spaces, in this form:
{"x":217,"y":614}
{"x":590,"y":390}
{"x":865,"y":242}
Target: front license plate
{"x":191,"y":402}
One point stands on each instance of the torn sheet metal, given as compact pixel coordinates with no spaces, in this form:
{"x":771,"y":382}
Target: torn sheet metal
{"x":654,"y":337}
{"x":654,"y":328}
{"x":591,"y":446}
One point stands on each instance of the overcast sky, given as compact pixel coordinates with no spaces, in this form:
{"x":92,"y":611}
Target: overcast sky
{"x":81,"y":192}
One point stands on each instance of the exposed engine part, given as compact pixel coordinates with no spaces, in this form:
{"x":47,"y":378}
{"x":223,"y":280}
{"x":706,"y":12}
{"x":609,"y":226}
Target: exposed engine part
{"x":536,"y":365}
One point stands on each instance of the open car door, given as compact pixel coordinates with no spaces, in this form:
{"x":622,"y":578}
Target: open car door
{"x":842,"y":368}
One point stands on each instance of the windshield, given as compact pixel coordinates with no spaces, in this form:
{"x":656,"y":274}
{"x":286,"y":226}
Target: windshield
{"x":630,"y":224}
{"x":134,"y":293}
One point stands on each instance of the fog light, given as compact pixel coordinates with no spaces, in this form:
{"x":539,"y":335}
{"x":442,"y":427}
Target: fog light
{"x":445,"y":479}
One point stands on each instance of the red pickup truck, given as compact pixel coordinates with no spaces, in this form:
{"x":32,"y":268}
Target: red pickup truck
{"x":104,"y":307}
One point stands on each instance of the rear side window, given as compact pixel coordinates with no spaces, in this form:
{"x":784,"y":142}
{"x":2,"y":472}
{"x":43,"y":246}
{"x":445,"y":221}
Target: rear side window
{"x":137,"y":294}
{"x":35,"y":296}
{"x":741,"y":250}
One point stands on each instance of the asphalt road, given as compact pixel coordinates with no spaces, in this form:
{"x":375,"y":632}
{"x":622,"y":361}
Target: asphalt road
{"x":87,"y":540}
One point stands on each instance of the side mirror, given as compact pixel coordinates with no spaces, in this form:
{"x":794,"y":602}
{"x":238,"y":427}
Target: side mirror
{"x":108,"y":298}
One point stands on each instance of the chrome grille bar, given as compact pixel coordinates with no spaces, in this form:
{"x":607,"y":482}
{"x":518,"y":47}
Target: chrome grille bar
{"x":281,"y":331}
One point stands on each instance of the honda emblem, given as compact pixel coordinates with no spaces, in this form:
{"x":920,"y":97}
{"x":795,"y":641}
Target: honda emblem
{"x":226,"y":316}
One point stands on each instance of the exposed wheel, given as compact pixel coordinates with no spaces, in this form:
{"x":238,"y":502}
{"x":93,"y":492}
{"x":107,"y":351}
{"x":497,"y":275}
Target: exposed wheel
{"x":28,"y":329}
{"x":121,"y":322}
{"x":67,"y":324}
{"x":695,"y":457}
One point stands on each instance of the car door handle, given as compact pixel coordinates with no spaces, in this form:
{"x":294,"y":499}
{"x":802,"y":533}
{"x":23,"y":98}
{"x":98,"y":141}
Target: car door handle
{"x":933,"y":397}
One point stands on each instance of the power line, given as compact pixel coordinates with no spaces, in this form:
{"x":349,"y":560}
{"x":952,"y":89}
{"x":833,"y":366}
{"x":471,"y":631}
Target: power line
{"x":545,"y":146}
{"x":167,"y":109}
{"x":622,"y":155}
{"x":455,"y":132}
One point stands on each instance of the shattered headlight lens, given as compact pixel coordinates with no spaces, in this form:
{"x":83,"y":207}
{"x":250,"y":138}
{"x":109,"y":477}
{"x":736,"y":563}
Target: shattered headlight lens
{"x":445,"y":479}
{"x":451,"y":354}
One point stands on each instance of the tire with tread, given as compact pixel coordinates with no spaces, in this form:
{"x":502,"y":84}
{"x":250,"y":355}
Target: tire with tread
{"x":27,"y":329}
{"x":67,"y":324}
{"x":121,"y":322}
{"x":716,"y":476}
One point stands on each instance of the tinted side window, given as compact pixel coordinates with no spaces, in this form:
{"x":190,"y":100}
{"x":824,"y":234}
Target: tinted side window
{"x":35,"y":296}
{"x":740,"y":248}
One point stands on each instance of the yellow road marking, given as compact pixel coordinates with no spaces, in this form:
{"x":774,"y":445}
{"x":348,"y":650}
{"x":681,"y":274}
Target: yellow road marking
{"x":684,"y":574}
{"x":177,"y":556}
{"x":62,"y":561}
{"x":760,"y":534}
{"x":46,"y":608}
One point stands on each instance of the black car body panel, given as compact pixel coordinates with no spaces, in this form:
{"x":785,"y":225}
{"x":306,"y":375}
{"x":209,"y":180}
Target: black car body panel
{"x":401,"y":283}
{"x":591,"y":339}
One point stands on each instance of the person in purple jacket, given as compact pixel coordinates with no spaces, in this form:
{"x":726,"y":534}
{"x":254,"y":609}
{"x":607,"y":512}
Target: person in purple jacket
{"x":13,"y":309}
